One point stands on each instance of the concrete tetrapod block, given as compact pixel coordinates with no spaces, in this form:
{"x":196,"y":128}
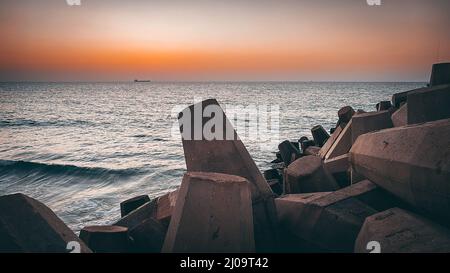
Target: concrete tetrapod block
{"x":329,"y":221}
{"x":339,"y":167}
{"x":165,"y":205}
{"x":312,"y":150}
{"x":308,"y":174}
{"x":345,"y":114}
{"x":429,"y":104}
{"x":400,"y":117}
{"x":383,"y":105}
{"x":213,"y":214}
{"x":369,"y":122}
{"x":289,"y":153}
{"x":411,"y":162}
{"x":106,"y":239}
{"x":440,"y":74}
{"x":28,"y":226}
{"x":342,"y":144}
{"x":228,"y":155}
{"x":139,"y":215}
{"x":131,"y":204}
{"x":320,"y":135}
{"x":400,"y":231}
{"x":148,"y":236}
{"x":326,"y":147}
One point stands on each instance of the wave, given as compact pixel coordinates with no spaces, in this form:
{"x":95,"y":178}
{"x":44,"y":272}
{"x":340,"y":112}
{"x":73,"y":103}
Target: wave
{"x":27,"y":167}
{"x":45,"y":123}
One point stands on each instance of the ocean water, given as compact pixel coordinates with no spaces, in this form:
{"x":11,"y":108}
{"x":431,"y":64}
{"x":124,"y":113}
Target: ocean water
{"x":82,"y":148}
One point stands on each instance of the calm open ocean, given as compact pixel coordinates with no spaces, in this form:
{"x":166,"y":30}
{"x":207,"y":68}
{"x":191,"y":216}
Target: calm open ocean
{"x":82,"y":148}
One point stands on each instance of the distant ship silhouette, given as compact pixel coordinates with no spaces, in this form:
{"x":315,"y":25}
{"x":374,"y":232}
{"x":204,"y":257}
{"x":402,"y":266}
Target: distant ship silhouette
{"x":136,"y":80}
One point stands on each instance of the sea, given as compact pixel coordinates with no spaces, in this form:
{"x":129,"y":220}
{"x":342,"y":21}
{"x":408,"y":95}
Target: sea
{"x":82,"y":148}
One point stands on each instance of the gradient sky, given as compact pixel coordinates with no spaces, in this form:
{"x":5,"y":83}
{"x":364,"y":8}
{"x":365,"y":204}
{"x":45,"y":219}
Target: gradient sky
{"x":316,"y":40}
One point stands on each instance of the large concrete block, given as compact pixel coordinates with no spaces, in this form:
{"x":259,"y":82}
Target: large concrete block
{"x":412,"y":162}
{"x":148,"y":236}
{"x":229,"y":156}
{"x":308,"y":174}
{"x":429,"y":104}
{"x":106,"y":239}
{"x":440,"y":74}
{"x":369,"y":122}
{"x":131,"y":204}
{"x":400,"y":231}
{"x":28,"y":226}
{"x":139,"y":215}
{"x":329,"y":221}
{"x":312,"y":150}
{"x":165,"y":205}
{"x":326,"y":147}
{"x":289,"y":153}
{"x":400,"y":117}
{"x":383,"y":105}
{"x":320,"y":135}
{"x":339,"y":168}
{"x":213,"y":214}
{"x":345,"y":114}
{"x":342,"y":144}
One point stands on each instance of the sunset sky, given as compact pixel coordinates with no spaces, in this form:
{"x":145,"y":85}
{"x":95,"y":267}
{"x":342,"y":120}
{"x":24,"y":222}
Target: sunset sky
{"x":190,"y":40}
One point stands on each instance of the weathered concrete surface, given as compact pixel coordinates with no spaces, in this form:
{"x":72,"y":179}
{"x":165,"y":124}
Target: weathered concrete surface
{"x":338,"y":164}
{"x":308,"y":174}
{"x":330,"y":221}
{"x":383,"y":105}
{"x":312,"y":150}
{"x":231,"y":157}
{"x":320,"y":135}
{"x":400,"y":231}
{"x":342,"y":144}
{"x":106,"y":239}
{"x":148,"y":236}
{"x":400,"y":117}
{"x":165,"y":206}
{"x":28,"y":226}
{"x":289,"y":153}
{"x":429,"y":104}
{"x":139,"y":215}
{"x":327,"y":146}
{"x":399,"y":98}
{"x":412,"y":162}
{"x":306,"y":144}
{"x":345,"y":114}
{"x":440,"y":74}
{"x":131,"y":204}
{"x":213,"y":214}
{"x":369,"y":122}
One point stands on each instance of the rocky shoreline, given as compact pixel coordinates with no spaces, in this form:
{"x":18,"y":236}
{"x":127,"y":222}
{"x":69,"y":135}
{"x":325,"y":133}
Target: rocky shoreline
{"x":377,"y":182}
